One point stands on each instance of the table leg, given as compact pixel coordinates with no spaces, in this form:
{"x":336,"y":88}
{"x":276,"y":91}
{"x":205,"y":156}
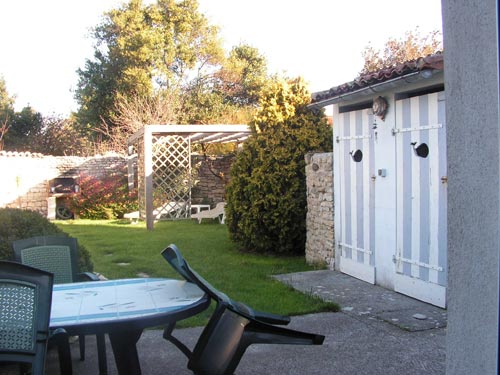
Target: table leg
{"x":101,"y":354}
{"x":60,"y":336}
{"x":125,"y":351}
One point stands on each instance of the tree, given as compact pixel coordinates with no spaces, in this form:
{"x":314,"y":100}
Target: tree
{"x":164,"y":63}
{"x":243,"y":76}
{"x":25,"y":126}
{"x":6,"y":111}
{"x":141,"y":49}
{"x":4,"y":128}
{"x":59,"y":138}
{"x":132,"y":113}
{"x":95,"y":94}
{"x":30,"y":131}
{"x":227,"y":94}
{"x":397,"y":51}
{"x":266,"y":197}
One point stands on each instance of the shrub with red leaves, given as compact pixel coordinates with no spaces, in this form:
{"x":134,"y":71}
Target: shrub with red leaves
{"x":107,"y":198}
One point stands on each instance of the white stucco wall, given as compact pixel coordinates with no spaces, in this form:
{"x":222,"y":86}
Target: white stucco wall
{"x":385,"y":197}
{"x":472,"y":83}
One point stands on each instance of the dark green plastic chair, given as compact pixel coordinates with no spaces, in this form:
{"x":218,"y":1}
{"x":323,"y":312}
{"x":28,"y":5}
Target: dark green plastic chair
{"x":232,"y":328}
{"x":25,"y":299}
{"x":59,"y":255}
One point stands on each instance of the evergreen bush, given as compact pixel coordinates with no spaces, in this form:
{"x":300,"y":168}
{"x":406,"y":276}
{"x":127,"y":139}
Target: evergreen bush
{"x":266,"y":197}
{"x":18,"y":224}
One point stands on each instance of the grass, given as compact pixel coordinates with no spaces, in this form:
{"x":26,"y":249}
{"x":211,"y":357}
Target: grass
{"x":123,"y":250}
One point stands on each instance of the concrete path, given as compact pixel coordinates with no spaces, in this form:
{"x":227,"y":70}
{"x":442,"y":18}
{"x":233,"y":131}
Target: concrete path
{"x":368,"y":302}
{"x":378,"y":332}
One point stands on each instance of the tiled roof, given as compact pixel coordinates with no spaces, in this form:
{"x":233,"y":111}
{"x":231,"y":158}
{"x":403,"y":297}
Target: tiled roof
{"x":431,"y":62}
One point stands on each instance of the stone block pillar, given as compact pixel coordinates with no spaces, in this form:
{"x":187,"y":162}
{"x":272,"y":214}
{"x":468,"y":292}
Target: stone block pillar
{"x":319,"y":220}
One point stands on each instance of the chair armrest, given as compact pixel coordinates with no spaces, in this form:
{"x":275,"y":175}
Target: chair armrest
{"x":262,"y":316}
{"x":87,"y":276}
{"x":271,"y":318}
{"x":264,"y":333}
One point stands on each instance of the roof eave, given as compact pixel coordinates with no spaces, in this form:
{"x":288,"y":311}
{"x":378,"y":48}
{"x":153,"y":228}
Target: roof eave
{"x":377,"y":88}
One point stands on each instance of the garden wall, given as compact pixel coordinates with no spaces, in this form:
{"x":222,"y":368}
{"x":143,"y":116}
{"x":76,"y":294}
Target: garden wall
{"x":319,"y":220}
{"x":25,"y":177}
{"x":213,"y":175}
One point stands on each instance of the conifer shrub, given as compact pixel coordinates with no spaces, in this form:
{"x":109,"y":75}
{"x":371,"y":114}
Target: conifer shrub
{"x":266,"y":196}
{"x":18,"y":224}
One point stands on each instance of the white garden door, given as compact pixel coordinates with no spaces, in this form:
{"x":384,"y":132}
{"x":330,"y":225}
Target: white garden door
{"x":354,"y":198}
{"x":421,"y":175}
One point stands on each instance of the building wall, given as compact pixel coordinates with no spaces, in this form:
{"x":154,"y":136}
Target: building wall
{"x":472,"y":86}
{"x":319,"y":219}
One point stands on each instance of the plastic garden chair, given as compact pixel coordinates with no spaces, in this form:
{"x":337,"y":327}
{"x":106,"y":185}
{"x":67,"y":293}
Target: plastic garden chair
{"x":25,"y":298}
{"x":59,"y":255}
{"x":232,"y":328}
{"x":217,"y":212}
{"x":169,"y":210}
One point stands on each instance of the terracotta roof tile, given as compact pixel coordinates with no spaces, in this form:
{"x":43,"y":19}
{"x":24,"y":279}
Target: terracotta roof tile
{"x":434,"y":62}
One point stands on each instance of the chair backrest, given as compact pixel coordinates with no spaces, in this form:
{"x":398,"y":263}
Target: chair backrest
{"x":55,"y":254}
{"x":177,"y":261}
{"x":25,"y":299}
{"x":219,"y":207}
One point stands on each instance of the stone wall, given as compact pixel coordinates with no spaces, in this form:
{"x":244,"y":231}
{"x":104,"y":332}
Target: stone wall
{"x":25,"y":177}
{"x":319,"y":220}
{"x":212,"y":177}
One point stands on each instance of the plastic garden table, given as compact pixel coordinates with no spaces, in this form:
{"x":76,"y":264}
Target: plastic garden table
{"x":122,"y":309}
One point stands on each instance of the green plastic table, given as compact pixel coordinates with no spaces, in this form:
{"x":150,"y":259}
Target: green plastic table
{"x":122,"y":309}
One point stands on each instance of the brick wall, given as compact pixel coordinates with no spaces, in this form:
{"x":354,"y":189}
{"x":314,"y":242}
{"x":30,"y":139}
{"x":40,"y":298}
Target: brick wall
{"x":319,"y":220}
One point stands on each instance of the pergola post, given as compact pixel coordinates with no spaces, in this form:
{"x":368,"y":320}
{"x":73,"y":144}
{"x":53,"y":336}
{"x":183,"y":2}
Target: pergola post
{"x":130,"y":167}
{"x":148,"y":177}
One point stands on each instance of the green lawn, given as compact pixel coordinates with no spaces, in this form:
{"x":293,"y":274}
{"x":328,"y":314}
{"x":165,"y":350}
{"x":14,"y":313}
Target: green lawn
{"x":123,"y":250}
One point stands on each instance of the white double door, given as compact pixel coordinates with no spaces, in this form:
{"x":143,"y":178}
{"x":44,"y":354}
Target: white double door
{"x":391,"y":228}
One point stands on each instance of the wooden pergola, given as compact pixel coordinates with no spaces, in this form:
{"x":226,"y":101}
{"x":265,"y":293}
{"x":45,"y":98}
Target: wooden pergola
{"x":164,"y":175}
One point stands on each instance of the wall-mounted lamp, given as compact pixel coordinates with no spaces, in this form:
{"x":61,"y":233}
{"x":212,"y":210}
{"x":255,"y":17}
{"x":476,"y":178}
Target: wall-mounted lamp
{"x":422,"y":150}
{"x":357,"y":155}
{"x":380,"y":107}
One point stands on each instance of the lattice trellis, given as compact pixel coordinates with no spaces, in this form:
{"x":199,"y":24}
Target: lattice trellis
{"x":171,"y":176}
{"x":164,"y":171}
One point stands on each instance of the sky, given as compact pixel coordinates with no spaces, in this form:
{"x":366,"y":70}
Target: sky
{"x":44,"y":42}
